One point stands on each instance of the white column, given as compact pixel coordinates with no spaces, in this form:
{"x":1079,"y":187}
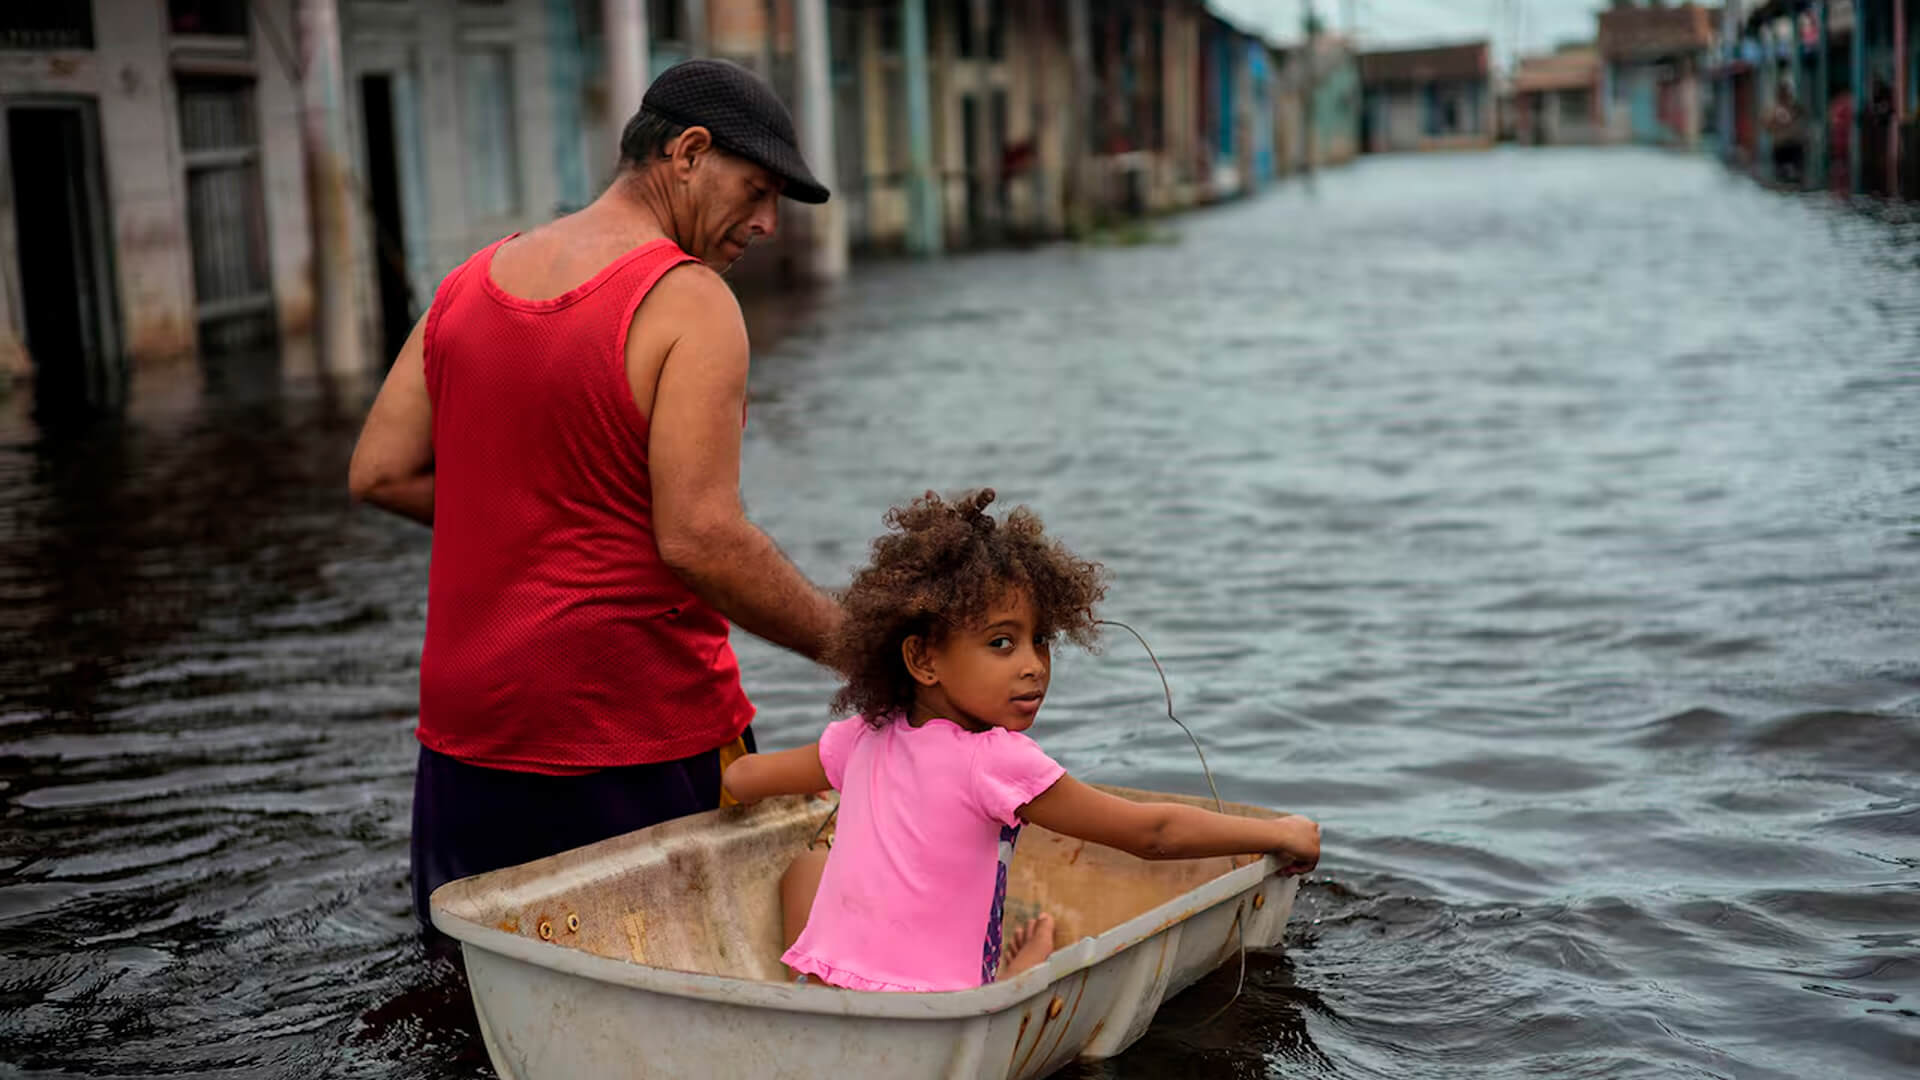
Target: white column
{"x":925,"y":191}
{"x":337,"y":323}
{"x":825,"y":257}
{"x":627,"y":76}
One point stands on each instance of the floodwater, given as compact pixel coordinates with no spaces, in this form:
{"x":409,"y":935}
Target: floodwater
{"x":1546,"y":524}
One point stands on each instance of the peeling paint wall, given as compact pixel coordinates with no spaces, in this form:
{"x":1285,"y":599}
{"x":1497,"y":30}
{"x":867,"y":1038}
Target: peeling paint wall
{"x":130,"y":75}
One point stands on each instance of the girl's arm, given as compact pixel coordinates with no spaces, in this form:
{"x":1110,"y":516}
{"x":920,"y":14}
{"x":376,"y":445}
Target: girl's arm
{"x":1170,"y":830}
{"x":788,"y":772}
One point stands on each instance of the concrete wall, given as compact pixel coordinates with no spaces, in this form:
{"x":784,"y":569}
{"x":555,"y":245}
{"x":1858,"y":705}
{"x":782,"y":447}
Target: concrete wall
{"x":283,"y":169}
{"x":129,"y":75}
{"x":1180,"y":170}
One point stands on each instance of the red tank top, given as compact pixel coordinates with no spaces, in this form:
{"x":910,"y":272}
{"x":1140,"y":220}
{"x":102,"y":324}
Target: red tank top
{"x":556,"y":637}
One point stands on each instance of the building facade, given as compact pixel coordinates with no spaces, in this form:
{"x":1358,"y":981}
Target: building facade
{"x":152,"y":202}
{"x":190,"y":177}
{"x":1558,"y":99}
{"x":1653,"y":60}
{"x":1429,"y":99}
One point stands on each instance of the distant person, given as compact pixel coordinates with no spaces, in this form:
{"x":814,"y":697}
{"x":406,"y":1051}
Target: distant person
{"x":1787,"y":128}
{"x":1876,"y":134}
{"x":1840,"y":141}
{"x":567,"y":418}
{"x":947,"y":655}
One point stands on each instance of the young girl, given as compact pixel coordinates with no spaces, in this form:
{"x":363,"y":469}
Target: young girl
{"x":946,"y":655}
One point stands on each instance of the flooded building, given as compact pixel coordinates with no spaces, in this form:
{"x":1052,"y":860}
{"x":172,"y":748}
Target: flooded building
{"x":1042,"y":116}
{"x":1428,"y":99}
{"x":243,"y":176}
{"x":1851,"y":73}
{"x":154,"y":197}
{"x":1653,"y":59}
{"x":162,"y":200}
{"x":1318,"y":101}
{"x":1144,"y":137}
{"x":1558,"y":99}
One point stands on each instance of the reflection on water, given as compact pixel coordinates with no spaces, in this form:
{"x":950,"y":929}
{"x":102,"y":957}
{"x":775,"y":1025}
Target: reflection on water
{"x":1546,"y":524}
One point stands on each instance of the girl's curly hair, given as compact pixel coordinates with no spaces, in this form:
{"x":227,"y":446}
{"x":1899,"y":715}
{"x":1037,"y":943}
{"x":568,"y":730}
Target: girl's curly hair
{"x":939,"y":568}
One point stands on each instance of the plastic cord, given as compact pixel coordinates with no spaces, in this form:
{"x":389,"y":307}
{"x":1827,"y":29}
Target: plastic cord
{"x":1239,"y":919}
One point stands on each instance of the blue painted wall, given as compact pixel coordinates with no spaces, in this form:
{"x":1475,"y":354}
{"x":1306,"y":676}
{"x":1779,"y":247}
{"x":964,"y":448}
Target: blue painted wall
{"x":1262,"y":79}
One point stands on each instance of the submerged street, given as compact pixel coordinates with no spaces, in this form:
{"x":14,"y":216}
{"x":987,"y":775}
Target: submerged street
{"x":1543,"y":523}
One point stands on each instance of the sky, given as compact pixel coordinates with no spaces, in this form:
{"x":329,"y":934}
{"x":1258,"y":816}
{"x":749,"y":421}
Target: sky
{"x":1526,"y":25}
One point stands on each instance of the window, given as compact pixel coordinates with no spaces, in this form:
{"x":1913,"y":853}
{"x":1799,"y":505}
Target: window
{"x":962,"y":28}
{"x":664,"y":22}
{"x":967,"y":43}
{"x":45,"y":24}
{"x":899,"y":153}
{"x":486,"y":93}
{"x":843,"y":36}
{"x":226,"y":219}
{"x":214,"y":18}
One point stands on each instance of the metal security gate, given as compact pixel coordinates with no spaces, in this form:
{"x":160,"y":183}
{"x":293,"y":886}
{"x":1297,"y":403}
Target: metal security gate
{"x":226,"y":218}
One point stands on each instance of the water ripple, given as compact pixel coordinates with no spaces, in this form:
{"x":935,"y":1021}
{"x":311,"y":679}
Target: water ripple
{"x":1555,"y":548}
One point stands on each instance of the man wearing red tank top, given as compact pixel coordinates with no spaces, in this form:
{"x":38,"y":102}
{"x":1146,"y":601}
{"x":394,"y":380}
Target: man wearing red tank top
{"x":566,"y":417}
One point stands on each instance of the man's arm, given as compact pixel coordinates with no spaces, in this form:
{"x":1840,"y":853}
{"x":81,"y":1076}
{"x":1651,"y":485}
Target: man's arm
{"x":693,"y":454}
{"x":393,"y":462}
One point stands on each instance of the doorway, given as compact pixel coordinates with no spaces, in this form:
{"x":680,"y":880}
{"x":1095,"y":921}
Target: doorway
{"x":61,"y":232}
{"x":383,"y":198}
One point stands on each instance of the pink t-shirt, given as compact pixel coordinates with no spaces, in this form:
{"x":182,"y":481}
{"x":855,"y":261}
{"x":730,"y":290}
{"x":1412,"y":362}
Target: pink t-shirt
{"x":917,"y":877}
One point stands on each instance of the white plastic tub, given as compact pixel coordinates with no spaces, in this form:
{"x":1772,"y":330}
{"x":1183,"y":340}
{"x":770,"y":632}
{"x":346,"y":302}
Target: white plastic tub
{"x":656,"y":954}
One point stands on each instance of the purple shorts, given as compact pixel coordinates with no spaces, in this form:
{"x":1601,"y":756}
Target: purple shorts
{"x":468,"y":819}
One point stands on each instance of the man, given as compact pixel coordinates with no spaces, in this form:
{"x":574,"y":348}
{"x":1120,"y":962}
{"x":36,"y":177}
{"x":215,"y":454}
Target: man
{"x":567,"y":418}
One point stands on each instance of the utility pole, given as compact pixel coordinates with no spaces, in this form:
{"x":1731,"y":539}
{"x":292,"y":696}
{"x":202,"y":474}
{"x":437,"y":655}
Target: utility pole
{"x":1310,"y":25}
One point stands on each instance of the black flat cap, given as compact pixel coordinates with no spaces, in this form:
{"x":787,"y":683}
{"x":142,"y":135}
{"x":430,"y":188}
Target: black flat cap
{"x":744,"y":114}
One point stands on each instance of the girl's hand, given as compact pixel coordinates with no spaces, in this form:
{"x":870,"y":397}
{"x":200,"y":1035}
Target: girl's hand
{"x":1297,"y":844}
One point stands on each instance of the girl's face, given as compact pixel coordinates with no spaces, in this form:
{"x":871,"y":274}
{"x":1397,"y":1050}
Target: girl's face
{"x":991,"y":675}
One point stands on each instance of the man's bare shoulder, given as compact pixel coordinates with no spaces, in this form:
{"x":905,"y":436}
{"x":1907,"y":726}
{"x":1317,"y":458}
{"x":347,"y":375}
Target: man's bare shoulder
{"x":693,"y":297}
{"x":689,"y":308}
